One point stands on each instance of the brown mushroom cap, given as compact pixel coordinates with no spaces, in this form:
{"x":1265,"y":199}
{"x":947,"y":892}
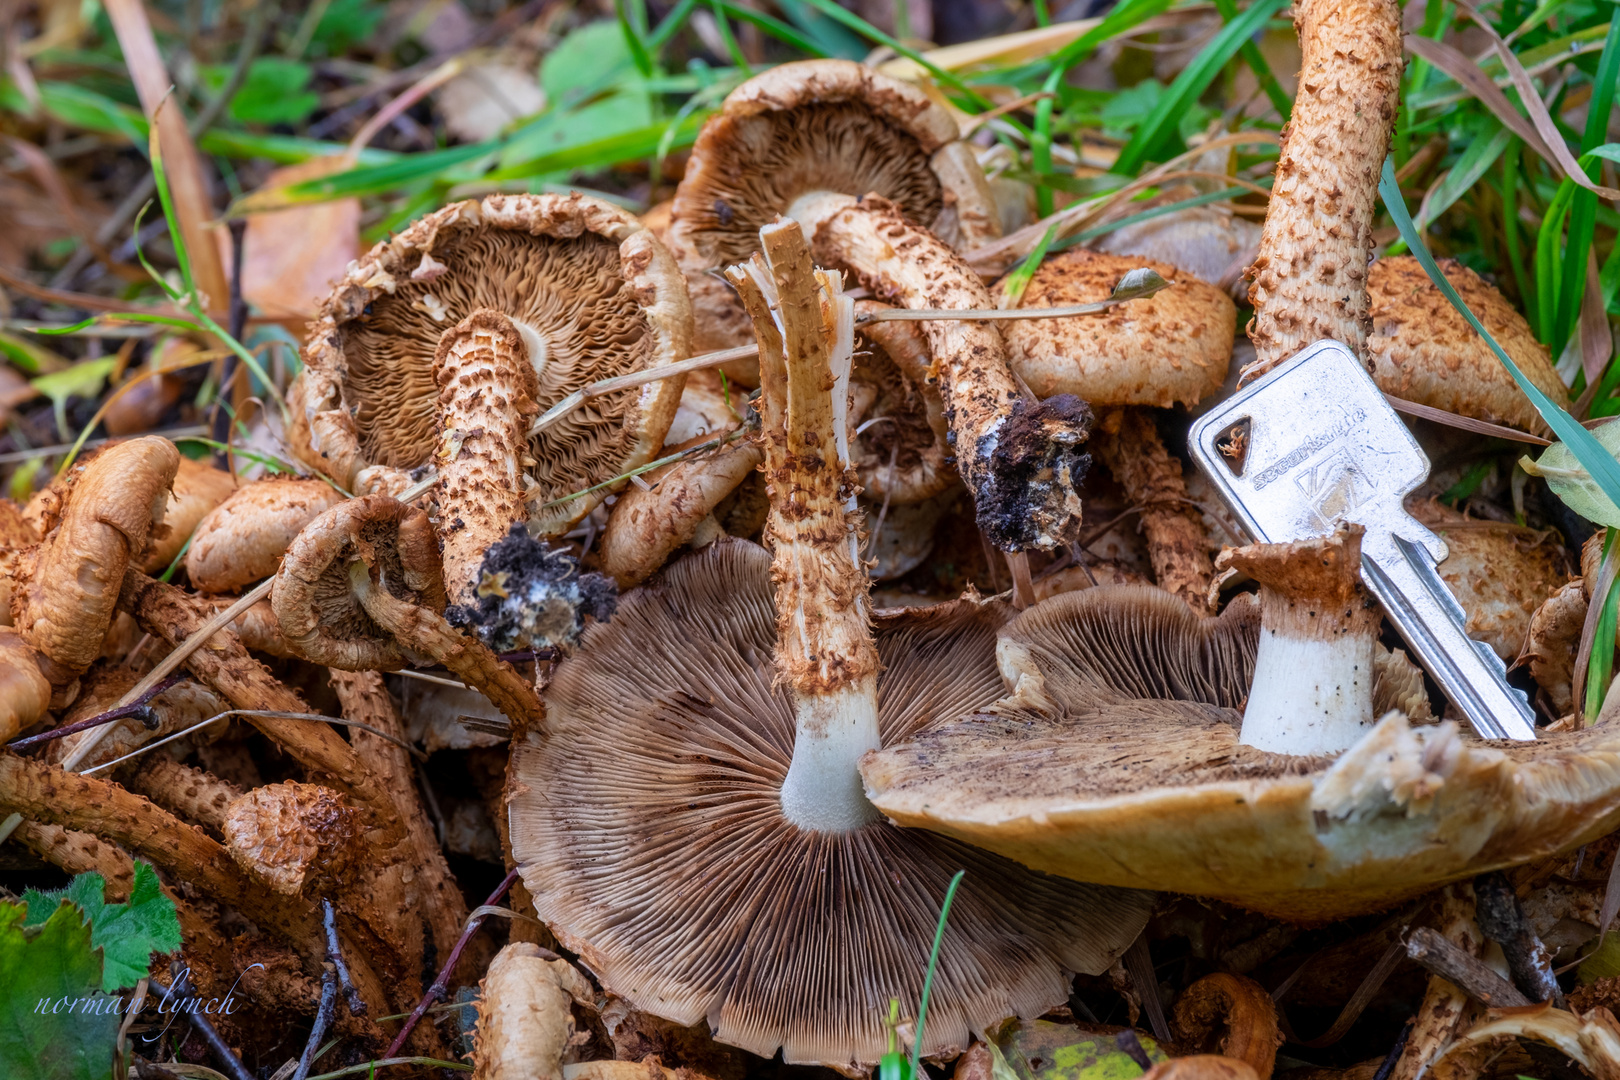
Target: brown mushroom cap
{"x":1171,"y":347}
{"x":601,"y":294}
{"x":242,"y":540}
{"x":1118,"y":761}
{"x":814,"y":125}
{"x":1422,"y":349}
{"x":72,"y":578}
{"x":901,"y":457}
{"x":648,"y":825}
{"x":198,"y":488}
{"x":1209,"y":242}
{"x":290,"y":834}
{"x":313,"y":598}
{"x":25,"y":693}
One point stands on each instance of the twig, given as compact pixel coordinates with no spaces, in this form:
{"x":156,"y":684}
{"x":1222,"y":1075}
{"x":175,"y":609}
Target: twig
{"x":132,"y":709}
{"x":1387,"y":1066}
{"x":1439,"y":956}
{"x":441,"y":985}
{"x":1501,"y":920}
{"x":181,"y":987}
{"x":638,"y":378}
{"x":1131,"y":1047}
{"x":323,"y":1018}
{"x":263,"y":714}
{"x":334,"y":953}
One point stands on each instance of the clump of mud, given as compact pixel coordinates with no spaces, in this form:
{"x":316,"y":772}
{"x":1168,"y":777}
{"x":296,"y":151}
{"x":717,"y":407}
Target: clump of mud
{"x":532,"y":596}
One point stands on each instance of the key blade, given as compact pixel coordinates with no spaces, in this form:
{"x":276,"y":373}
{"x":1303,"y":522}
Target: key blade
{"x":1403,"y":577}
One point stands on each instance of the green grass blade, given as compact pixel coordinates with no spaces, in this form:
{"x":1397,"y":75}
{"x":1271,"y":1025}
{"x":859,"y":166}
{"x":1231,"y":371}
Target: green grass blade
{"x":1475,"y":162}
{"x":160,"y":174}
{"x":873,"y":34}
{"x":1605,"y":471}
{"x":1583,"y":211}
{"x":1190,"y":85}
{"x":626,"y":146}
{"x":635,"y":33}
{"x":376,"y":179}
{"x":928,"y":979}
{"x":672,"y":24}
{"x":778,"y":29}
{"x":1600,"y":664}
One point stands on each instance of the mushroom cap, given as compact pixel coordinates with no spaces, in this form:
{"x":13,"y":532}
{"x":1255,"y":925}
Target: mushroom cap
{"x":198,"y":488}
{"x":1423,"y":350}
{"x":811,"y":125}
{"x":1171,"y":347}
{"x":1209,"y":242}
{"x":891,"y":367}
{"x":314,"y":602}
{"x":243,"y":539}
{"x":289,"y":834}
{"x":73,"y":577}
{"x":603,"y":294}
{"x":647,"y":823}
{"x":1118,"y":761}
{"x":25,"y":693}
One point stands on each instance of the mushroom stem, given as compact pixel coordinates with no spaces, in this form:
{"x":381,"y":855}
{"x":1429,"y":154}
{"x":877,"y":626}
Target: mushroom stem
{"x":825,"y":653}
{"x":1313,"y":671}
{"x":488,"y":394}
{"x":1310,"y":278}
{"x":1021,"y":460}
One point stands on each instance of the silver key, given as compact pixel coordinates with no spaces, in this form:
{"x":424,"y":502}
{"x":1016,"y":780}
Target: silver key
{"x":1314,"y":444}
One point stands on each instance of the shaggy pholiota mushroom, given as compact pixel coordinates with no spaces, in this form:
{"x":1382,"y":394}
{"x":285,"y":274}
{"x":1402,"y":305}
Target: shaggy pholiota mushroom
{"x":242,"y":540}
{"x":1168,"y":349}
{"x":781,"y":145}
{"x":1131,"y":752}
{"x":1423,"y":350}
{"x":197,"y":489}
{"x":441,"y":346}
{"x":690,"y":820}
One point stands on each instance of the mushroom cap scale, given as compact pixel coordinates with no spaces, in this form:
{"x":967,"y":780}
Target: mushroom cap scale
{"x":1169,"y":348}
{"x":1422,"y":349}
{"x":649,"y":828}
{"x":242,"y":540}
{"x":1118,"y":761}
{"x":593,"y":292}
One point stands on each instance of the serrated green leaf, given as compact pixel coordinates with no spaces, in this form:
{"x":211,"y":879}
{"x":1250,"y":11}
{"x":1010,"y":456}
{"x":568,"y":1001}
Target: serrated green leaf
{"x":55,"y":1024}
{"x":128,"y":934}
{"x":1572,"y":483}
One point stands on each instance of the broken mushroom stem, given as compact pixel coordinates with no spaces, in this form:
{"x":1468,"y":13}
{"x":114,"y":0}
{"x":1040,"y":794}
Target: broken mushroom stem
{"x":1313,"y":672}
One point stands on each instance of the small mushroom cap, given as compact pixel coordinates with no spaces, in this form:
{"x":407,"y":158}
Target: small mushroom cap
{"x":198,"y":488}
{"x":603,"y":296}
{"x":1423,"y":350}
{"x":524,"y":1016}
{"x":648,"y":826}
{"x":242,"y":540}
{"x":25,"y":693}
{"x":74,"y":575}
{"x":1171,"y":347}
{"x":1118,"y":761}
{"x":290,"y":834}
{"x":811,"y":125}
{"x":314,"y":602}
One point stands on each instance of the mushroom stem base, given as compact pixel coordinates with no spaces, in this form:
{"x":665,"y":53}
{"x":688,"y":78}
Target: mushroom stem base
{"x":1310,"y":696}
{"x":822,"y":790}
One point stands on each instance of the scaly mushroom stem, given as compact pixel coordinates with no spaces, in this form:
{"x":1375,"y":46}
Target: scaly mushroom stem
{"x":1313,"y":671}
{"x":488,"y":391}
{"x":1022,"y":460}
{"x":824,"y":651}
{"x":1310,"y":279}
{"x":198,"y":796}
{"x":1178,"y":544}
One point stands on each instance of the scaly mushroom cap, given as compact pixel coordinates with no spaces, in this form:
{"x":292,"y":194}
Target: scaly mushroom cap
{"x":1209,"y":242}
{"x":649,"y":827}
{"x":1422,"y":349}
{"x":1171,"y":347}
{"x":16,"y":536}
{"x":243,"y":539}
{"x":313,"y":598}
{"x":198,"y":488}
{"x":25,"y":693}
{"x":289,"y":834}
{"x":68,"y":585}
{"x":1118,"y":761}
{"x":594,"y":293}
{"x":816,"y":125}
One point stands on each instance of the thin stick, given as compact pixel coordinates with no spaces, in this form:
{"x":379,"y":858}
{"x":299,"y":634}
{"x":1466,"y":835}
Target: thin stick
{"x":323,"y":1017}
{"x":638,"y":378}
{"x":1466,"y":423}
{"x":334,"y":953}
{"x":181,"y":987}
{"x":441,"y":985}
{"x":265,"y":714}
{"x":170,"y":662}
{"x":120,"y":713}
{"x":1430,"y":948}
{"x":1501,"y":920}
{"x":991,"y":314}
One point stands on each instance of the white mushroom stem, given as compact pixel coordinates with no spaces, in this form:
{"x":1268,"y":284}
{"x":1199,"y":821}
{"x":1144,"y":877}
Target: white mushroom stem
{"x":1313,"y":674}
{"x":1021,"y":459}
{"x":824,"y":654}
{"x":485,"y":371}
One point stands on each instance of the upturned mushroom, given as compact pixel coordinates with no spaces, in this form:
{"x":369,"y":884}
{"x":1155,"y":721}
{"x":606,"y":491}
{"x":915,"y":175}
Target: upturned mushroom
{"x":441,"y":346}
{"x":691,"y":822}
{"x":1168,"y":349}
{"x":781,"y":145}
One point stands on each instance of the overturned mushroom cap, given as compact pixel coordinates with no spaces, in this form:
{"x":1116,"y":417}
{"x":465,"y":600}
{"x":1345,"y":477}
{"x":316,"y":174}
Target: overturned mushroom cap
{"x":68,"y":585}
{"x":524,"y":1017}
{"x":593,"y":295}
{"x":1171,"y":347}
{"x":1422,"y":349}
{"x":289,"y":834}
{"x":244,"y":538}
{"x":1118,"y":761}
{"x":816,"y":125}
{"x":899,"y":445}
{"x":648,"y":825}
{"x":198,"y":488}
{"x":313,"y":598}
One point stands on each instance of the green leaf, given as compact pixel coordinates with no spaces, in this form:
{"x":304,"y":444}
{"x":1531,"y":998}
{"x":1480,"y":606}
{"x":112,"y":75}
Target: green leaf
{"x":591,"y":80}
{"x":84,"y":379}
{"x":55,"y":1024}
{"x":346,"y":23}
{"x":1572,"y":483}
{"x":276,"y":91}
{"x":127,"y":934}
{"x":28,"y":357}
{"x":1042,"y":1050}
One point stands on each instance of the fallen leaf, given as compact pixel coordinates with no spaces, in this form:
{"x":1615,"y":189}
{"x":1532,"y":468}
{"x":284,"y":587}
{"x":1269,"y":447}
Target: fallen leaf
{"x":293,"y":256}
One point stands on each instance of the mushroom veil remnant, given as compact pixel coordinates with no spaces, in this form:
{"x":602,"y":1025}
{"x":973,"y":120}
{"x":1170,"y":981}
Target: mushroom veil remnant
{"x":690,"y":820}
